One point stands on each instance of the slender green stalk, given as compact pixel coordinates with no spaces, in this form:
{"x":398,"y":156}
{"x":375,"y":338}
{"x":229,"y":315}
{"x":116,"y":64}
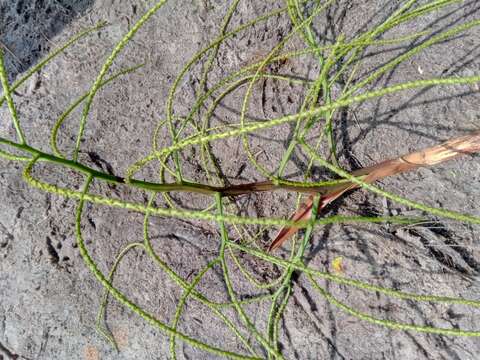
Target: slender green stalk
{"x":100,"y":323}
{"x":120,"y":297}
{"x":106,"y":66}
{"x":8,"y":97}
{"x":41,"y":64}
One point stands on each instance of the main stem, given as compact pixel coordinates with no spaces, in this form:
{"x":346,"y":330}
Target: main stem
{"x":233,"y":190}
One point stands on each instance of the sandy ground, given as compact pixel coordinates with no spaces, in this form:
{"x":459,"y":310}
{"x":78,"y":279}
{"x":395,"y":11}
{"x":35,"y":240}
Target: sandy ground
{"x":49,"y":299}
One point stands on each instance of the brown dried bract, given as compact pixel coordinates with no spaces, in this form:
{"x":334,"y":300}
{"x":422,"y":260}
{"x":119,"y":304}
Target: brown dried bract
{"x":448,"y":150}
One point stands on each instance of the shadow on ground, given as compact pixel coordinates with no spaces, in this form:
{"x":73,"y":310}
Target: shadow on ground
{"x":26,"y":27}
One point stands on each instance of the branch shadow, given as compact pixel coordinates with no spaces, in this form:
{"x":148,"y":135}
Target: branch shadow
{"x":379,"y":118}
{"x":26,"y":27}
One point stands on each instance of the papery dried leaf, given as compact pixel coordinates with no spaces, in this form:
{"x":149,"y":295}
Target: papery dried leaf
{"x":305,"y":213}
{"x":448,"y":150}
